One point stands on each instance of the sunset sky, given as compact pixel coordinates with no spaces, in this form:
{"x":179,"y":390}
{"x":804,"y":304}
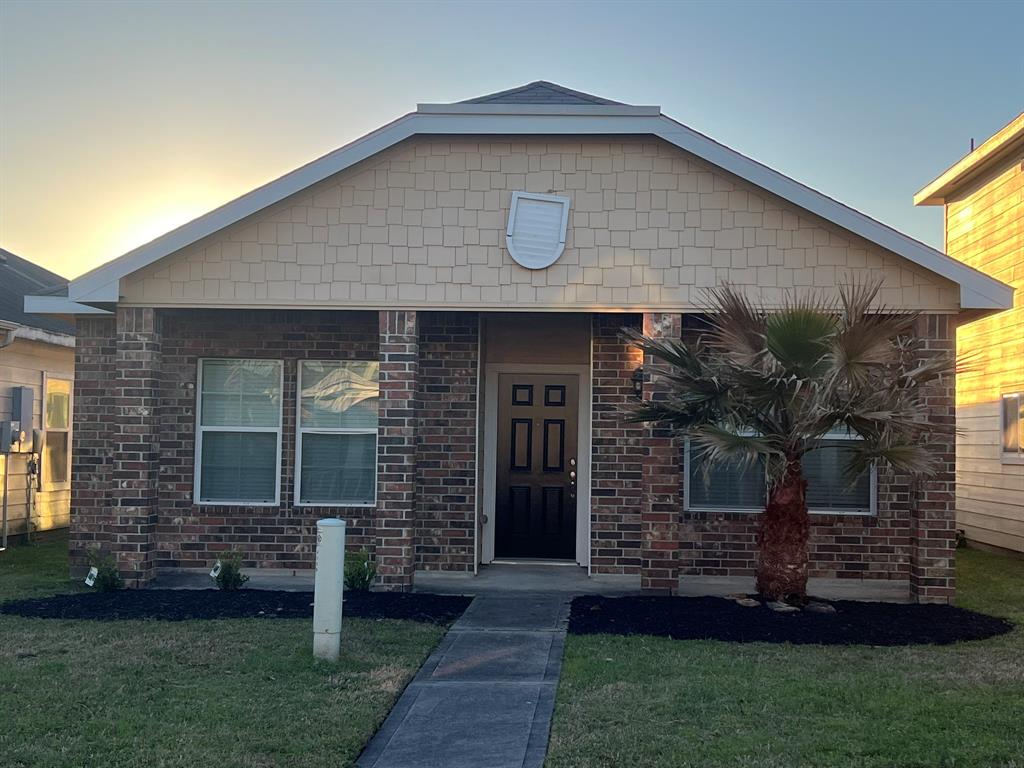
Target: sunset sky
{"x":119,"y":121}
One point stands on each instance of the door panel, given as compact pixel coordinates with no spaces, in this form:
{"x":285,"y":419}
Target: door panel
{"x":537,"y":466}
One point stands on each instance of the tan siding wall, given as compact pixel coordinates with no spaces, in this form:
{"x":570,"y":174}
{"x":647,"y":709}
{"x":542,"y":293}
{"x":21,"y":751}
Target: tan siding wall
{"x":985,"y":229}
{"x":23,"y":364}
{"x":423,"y":225}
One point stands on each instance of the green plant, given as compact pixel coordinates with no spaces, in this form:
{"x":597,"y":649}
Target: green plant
{"x":107,"y":577}
{"x":359,"y":571}
{"x":764,"y":386}
{"x":230,"y":576}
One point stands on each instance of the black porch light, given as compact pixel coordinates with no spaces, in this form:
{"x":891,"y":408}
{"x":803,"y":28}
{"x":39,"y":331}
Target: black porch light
{"x":638,"y":382}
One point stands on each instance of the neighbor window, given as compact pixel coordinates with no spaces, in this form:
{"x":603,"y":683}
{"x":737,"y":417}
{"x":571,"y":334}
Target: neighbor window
{"x":337,"y":434}
{"x":1013,"y":425}
{"x":739,"y":488}
{"x":238,"y":443}
{"x":56,"y":459}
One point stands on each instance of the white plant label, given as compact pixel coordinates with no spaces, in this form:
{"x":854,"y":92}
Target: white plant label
{"x":90,"y":580}
{"x":215,"y":571}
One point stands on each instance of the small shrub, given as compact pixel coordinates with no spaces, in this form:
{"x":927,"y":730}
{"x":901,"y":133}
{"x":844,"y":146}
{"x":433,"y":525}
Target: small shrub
{"x":107,"y":577}
{"x":230,"y":576}
{"x":359,"y":571}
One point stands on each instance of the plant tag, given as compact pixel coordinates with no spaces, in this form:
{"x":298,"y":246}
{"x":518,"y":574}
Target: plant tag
{"x":215,"y":571}
{"x":90,"y":580}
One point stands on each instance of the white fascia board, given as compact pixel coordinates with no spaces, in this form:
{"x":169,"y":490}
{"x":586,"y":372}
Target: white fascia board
{"x":59,"y":305}
{"x":978,"y":291}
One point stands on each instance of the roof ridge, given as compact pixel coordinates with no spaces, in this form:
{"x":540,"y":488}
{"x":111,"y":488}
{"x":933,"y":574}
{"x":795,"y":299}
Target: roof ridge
{"x":499,"y":96}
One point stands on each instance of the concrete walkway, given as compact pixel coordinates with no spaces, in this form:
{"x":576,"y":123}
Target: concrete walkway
{"x":484,"y":698}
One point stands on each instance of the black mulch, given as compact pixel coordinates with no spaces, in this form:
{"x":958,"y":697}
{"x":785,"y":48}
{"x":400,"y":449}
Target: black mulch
{"x":183,"y":604}
{"x":715,"y":618}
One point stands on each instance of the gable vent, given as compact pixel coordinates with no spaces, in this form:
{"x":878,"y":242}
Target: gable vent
{"x":536,"y":228}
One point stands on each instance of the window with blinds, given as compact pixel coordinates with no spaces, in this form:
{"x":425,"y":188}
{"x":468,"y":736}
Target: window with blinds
{"x":737,"y":488}
{"x":337,"y":433}
{"x":238,"y":441}
{"x":1013,"y":425}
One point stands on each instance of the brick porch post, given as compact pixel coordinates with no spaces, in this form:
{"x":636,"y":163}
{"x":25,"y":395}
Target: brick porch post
{"x":91,"y":439}
{"x":396,"y":448}
{"x":933,"y":500}
{"x":661,"y":499}
{"x":136,"y":442}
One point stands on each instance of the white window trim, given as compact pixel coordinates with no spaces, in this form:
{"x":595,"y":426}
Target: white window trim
{"x":47,"y":377}
{"x":200,"y":429}
{"x":300,"y":430}
{"x":1010,"y":457}
{"x":872,"y":510}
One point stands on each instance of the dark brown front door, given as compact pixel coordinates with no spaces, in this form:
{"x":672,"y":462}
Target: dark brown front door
{"x":535,"y":498}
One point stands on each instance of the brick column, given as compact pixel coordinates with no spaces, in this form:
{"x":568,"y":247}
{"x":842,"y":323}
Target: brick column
{"x":136,"y":441}
{"x":933,"y":500}
{"x":92,"y":447}
{"x":661,"y":498}
{"x":396,"y":448}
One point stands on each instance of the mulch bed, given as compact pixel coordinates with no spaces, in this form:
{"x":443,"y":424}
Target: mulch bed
{"x":715,"y":618}
{"x":185,"y":604}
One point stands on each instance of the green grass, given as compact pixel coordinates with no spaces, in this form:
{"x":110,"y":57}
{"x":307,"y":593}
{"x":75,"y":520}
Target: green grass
{"x":645,"y":701}
{"x":243,"y":692}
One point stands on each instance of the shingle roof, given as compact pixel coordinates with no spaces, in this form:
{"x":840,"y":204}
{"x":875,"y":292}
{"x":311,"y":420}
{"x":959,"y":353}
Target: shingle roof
{"x":539,"y":92}
{"x":19,"y":278}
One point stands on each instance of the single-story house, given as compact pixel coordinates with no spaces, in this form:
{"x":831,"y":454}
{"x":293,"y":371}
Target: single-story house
{"x":982,"y":195}
{"x":420,"y":332}
{"x":37,"y":371}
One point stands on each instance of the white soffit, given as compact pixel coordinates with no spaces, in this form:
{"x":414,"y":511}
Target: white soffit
{"x":536,"y":228}
{"x":978,"y":291}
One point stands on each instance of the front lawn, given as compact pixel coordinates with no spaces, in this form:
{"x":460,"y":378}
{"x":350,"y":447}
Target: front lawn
{"x":645,"y":701}
{"x":222,"y":693}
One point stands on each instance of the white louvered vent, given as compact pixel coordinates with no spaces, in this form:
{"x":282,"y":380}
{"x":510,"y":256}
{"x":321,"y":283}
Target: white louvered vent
{"x":536,"y":228}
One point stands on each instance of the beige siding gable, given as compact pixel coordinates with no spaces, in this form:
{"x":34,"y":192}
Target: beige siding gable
{"x":423,"y":225}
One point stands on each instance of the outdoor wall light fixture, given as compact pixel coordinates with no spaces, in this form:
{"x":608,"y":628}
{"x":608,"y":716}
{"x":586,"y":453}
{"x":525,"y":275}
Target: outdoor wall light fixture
{"x":638,"y":382}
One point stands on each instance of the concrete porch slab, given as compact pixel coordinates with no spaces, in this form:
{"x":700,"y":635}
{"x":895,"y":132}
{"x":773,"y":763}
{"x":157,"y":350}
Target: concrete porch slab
{"x":545,"y":579}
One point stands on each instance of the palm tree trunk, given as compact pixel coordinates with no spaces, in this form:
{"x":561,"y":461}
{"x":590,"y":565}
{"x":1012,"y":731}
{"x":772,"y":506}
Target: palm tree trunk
{"x":785,"y":529}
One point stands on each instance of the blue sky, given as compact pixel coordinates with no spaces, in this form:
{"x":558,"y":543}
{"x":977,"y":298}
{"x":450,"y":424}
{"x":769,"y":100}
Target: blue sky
{"x":121,"y":120}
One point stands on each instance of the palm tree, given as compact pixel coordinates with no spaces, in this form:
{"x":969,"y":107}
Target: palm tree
{"x":763,"y":388}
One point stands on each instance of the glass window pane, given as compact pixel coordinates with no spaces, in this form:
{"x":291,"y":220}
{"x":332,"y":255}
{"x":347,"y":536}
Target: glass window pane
{"x":241,"y":393}
{"x":55,"y":457}
{"x":828,"y":487}
{"x":1013,"y":415}
{"x":340,"y":394}
{"x":726,"y":486}
{"x":338,"y":469}
{"x":239,"y":466}
{"x":58,"y":404}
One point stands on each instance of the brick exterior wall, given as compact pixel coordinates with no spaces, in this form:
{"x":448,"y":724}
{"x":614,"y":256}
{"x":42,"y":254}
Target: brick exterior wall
{"x":616,"y":463}
{"x":134,"y":455}
{"x":396,"y":448}
{"x":92,"y":448}
{"x":446,"y":441}
{"x":911,"y":538}
{"x":661,"y":486}
{"x":284,"y":536}
{"x":933,"y":501}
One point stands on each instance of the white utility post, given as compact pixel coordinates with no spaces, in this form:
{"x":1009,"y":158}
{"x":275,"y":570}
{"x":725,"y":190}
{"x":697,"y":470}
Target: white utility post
{"x":330,"y":580}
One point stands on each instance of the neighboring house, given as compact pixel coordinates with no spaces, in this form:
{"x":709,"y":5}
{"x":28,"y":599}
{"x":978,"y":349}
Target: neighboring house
{"x":983,"y":196}
{"x":37,"y":368}
{"x":420,"y":332}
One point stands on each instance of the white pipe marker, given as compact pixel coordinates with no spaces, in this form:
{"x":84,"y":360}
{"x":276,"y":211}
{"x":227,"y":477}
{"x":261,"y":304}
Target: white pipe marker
{"x":328,"y":585}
